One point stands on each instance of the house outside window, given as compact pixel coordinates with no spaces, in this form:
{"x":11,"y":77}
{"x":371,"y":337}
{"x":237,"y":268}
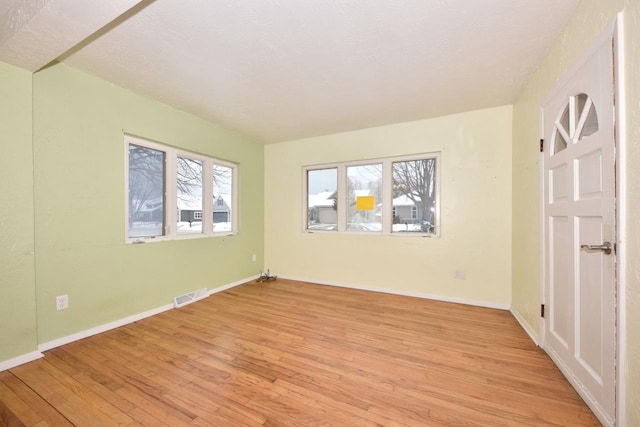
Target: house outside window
{"x":396,"y":195}
{"x":159,"y":176}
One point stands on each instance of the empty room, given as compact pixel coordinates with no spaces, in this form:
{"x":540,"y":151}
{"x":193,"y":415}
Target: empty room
{"x":341,"y":212}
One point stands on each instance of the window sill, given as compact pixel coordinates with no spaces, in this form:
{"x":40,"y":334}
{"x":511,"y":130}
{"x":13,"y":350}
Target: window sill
{"x":141,"y":240}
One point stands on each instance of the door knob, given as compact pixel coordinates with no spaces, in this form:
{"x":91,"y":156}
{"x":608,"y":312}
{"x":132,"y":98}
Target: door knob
{"x":605,"y":247}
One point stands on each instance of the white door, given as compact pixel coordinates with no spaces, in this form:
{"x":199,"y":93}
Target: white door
{"x":579,"y":213}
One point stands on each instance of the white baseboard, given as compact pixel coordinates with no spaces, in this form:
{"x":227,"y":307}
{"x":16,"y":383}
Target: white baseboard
{"x":102,"y":328}
{"x":233,"y":285}
{"x":591,"y":402}
{"x":7,"y":364}
{"x":22,"y":359}
{"x":527,"y":328}
{"x":487,"y":304}
{"x":129,"y":319}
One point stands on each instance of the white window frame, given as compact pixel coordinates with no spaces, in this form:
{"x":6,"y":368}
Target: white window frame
{"x":387,"y":199}
{"x":170,"y":196}
{"x":197,"y":215}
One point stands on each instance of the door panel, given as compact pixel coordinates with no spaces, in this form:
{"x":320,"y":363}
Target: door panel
{"x":589,"y":340}
{"x":590,"y":176}
{"x":560,"y":321}
{"x":579,"y":183}
{"x":559,"y":188}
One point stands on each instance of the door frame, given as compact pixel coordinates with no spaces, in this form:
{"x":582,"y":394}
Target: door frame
{"x":614,"y":33}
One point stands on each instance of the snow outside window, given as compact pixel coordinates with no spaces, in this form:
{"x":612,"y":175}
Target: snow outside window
{"x":322,"y":205}
{"x":173,"y":194}
{"x":146,"y":201}
{"x":189,"y":192}
{"x":223,"y":184}
{"x":398,"y":195}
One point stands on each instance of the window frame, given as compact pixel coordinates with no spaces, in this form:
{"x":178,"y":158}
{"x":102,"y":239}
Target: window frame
{"x":170,"y":231}
{"x":386,"y":204}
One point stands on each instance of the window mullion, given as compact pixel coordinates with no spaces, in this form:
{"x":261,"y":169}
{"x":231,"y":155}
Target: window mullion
{"x":207,"y":195}
{"x":171,"y":190}
{"x":235,"y":200}
{"x":342,"y":198}
{"x":387,"y":196}
{"x":127,"y":191}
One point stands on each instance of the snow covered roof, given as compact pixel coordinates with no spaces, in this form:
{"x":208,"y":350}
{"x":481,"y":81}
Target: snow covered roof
{"x":194,"y":203}
{"x":404,"y":201}
{"x":323,"y":199}
{"x":226,"y":197}
{"x":187,"y":202}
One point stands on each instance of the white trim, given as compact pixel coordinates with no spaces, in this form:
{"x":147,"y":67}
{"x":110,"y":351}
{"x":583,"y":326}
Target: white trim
{"x":129,"y":319}
{"x":20,"y":360}
{"x":233,"y":285}
{"x":305,"y":192}
{"x":341,"y":199}
{"x":387,"y":192}
{"x":542,"y":261}
{"x":605,"y":36}
{"x":583,"y":392}
{"x":171,"y":155}
{"x":477,"y":303}
{"x":614,"y":31}
{"x":523,"y":323}
{"x":621,"y":198}
{"x":103,"y":328}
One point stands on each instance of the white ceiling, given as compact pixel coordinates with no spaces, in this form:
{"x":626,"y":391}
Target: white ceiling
{"x":288,"y":69}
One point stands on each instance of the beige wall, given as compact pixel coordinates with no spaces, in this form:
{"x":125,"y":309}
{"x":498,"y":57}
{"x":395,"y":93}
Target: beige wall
{"x":17,"y":282}
{"x":475,"y":201}
{"x":589,"y":20}
{"x":632,"y":236}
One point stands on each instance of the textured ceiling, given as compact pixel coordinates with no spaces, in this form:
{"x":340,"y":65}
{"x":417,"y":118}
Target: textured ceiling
{"x":35,"y":32}
{"x":287,"y":69}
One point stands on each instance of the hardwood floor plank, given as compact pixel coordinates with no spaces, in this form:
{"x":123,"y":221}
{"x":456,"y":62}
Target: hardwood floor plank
{"x":8,"y":418}
{"x":287,"y":353}
{"x":30,"y":408}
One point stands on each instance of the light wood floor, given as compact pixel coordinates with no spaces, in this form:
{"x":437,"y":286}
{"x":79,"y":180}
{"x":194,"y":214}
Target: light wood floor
{"x":294,"y":354}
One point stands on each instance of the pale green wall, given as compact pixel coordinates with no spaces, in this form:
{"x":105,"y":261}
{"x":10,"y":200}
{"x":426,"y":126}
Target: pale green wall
{"x":476,"y":210}
{"x":79,"y":155}
{"x":588,"y":21}
{"x":17,"y":283}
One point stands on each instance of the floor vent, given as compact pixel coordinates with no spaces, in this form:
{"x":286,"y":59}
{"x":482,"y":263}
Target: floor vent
{"x":182,"y":300}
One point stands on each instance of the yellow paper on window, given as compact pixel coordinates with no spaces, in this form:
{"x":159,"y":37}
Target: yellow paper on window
{"x":365,"y":203}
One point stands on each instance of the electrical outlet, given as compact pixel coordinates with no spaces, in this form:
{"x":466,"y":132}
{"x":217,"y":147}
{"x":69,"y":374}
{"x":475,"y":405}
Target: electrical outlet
{"x":62,"y":302}
{"x":253,"y":257}
{"x":459,"y":274}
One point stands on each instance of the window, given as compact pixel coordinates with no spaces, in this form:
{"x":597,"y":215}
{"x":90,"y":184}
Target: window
{"x":223,"y":195}
{"x":414,"y":195}
{"x":189,"y":195}
{"x":364,"y":191}
{"x":159,"y":177}
{"x":322,"y":207}
{"x":383,"y":196}
{"x":146,"y":204}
